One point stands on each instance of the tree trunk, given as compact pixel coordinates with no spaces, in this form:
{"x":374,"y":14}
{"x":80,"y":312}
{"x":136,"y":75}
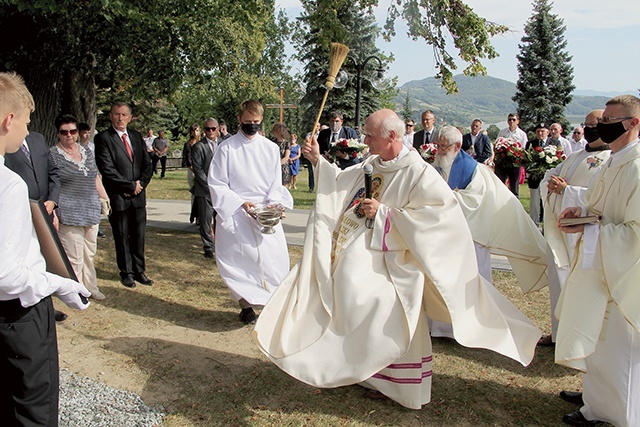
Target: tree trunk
{"x":46,"y":87}
{"x":80,"y":96}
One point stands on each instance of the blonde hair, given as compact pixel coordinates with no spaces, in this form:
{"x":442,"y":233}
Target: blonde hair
{"x":252,"y":106}
{"x":630,"y":104}
{"x":14,"y":95}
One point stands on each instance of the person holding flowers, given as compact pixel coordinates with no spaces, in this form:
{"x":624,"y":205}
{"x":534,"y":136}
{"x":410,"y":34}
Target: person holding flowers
{"x":538,"y":159}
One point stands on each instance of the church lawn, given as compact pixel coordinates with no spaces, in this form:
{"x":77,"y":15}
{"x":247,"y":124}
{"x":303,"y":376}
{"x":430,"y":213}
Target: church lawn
{"x":174,"y":187}
{"x":179,"y":344}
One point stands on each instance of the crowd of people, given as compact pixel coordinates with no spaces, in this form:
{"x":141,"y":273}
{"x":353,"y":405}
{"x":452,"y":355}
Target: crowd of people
{"x":422,"y":234}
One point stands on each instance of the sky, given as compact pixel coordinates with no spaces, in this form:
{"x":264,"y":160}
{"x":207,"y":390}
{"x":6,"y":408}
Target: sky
{"x":603,"y":37}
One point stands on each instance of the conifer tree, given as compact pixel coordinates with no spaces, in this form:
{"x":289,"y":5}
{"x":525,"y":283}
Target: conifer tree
{"x":545,"y":81}
{"x":347,"y":22}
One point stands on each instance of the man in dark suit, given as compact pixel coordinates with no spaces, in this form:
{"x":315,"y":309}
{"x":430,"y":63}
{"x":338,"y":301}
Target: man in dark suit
{"x":541,"y":140}
{"x":201,"y":155}
{"x":336,"y":132}
{"x":34,"y":165}
{"x":126,"y":170}
{"x":476,"y":143}
{"x":428,"y":133}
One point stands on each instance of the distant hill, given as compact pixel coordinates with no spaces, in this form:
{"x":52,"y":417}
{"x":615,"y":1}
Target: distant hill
{"x":485,"y":97}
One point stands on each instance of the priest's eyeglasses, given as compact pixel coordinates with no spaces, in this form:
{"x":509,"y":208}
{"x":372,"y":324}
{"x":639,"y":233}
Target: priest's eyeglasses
{"x":606,"y":119}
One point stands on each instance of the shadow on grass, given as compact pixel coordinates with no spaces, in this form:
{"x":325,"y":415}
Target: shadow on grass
{"x":542,"y":366}
{"x":215,"y":388}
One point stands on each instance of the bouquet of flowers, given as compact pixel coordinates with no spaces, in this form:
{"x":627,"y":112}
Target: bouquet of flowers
{"x":352,"y":147}
{"x":539,"y":160}
{"x":508,"y":153}
{"x":428,"y":152}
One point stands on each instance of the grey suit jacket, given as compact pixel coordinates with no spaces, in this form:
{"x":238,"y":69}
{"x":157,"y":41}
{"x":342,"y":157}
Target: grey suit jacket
{"x":201,"y":157}
{"x":40,"y":173}
{"x":419,"y":136}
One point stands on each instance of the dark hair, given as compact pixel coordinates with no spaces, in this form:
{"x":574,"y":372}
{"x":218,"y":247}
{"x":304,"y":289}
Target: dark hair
{"x":82,"y":126}
{"x":121,"y":104}
{"x":63,"y":119}
{"x":336,"y":115}
{"x":281,"y":128}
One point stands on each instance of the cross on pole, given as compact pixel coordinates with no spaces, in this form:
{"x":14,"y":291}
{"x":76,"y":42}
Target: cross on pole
{"x":281,"y":106}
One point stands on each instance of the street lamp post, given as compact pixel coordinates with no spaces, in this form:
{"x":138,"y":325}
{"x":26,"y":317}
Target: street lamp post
{"x":360,"y":68}
{"x":377,"y":81}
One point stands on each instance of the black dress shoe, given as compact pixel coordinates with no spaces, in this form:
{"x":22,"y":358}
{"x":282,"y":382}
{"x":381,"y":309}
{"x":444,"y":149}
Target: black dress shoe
{"x":143,"y":279}
{"x":59,"y":316}
{"x":208,"y":254}
{"x":128,"y":281}
{"x":248,"y":316}
{"x":577,"y":419}
{"x":572,"y":397}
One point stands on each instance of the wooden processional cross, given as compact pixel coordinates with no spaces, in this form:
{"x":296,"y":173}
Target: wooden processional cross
{"x":281,"y":106}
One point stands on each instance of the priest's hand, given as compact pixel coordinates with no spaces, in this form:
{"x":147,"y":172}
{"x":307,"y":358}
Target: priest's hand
{"x":557,"y":184}
{"x":370,"y":207}
{"x":247,"y":206}
{"x":574,"y":212}
{"x":311,"y":150}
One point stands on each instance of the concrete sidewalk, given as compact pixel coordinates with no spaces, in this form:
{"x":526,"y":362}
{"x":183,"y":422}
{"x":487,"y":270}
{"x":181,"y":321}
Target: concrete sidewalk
{"x":174,"y":215}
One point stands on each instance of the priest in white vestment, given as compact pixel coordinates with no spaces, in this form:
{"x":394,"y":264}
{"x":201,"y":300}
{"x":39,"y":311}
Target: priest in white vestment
{"x":599,"y":307}
{"x":245,"y":171}
{"x":354,"y":309}
{"x":498,"y":222}
{"x":562,"y":187}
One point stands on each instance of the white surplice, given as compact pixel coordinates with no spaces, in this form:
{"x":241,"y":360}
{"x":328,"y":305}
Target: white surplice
{"x":500,"y":226}
{"x":251,"y":264}
{"x":353,"y":310}
{"x":598,"y":310}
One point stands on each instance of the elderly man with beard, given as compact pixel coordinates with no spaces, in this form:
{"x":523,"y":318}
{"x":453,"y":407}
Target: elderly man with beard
{"x":563,"y":186}
{"x":498,"y":222}
{"x":598,"y":310}
{"x":354,"y":309}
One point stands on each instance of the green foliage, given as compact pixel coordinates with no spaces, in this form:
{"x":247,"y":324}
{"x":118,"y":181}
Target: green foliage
{"x":544,"y":85}
{"x":407,"y":111}
{"x":492,"y":132}
{"x":440,"y":22}
{"x":353,"y":24}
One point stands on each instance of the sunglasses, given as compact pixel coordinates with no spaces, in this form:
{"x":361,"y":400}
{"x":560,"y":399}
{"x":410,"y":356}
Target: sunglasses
{"x":211,"y":129}
{"x":65,"y":132}
{"x":409,"y":126}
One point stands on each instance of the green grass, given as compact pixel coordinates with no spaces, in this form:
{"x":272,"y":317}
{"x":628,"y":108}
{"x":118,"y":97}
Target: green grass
{"x":165,"y":332}
{"x":174,"y":187}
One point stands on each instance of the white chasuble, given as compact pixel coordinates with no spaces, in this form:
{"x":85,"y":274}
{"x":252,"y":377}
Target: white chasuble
{"x":356,"y":301}
{"x":251,"y":264}
{"x":614,"y":277}
{"x":498,"y":222}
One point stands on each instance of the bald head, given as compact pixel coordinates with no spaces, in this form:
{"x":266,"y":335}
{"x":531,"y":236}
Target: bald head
{"x":383,"y":132}
{"x":592,"y":118}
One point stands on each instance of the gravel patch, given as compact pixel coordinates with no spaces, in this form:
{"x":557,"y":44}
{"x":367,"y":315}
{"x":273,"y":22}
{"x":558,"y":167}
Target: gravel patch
{"x":86,"y":402}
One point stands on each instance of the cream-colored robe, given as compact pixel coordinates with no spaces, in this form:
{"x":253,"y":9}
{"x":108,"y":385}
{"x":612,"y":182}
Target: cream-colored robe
{"x":499,"y":222}
{"x":577,"y":169}
{"x":338,"y":320}
{"x":615,"y":195}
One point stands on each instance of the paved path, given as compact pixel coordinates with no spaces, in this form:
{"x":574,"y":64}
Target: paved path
{"x":174,"y":215}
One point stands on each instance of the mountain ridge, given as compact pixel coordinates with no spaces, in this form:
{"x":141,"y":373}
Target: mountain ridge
{"x":484,"y":97}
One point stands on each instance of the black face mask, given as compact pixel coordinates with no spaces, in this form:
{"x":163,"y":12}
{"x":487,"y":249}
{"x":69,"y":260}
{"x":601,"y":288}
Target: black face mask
{"x":591,"y":133}
{"x":250,"y":128}
{"x":611,"y":131}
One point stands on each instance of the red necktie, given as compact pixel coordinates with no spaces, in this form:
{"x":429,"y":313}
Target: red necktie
{"x":127,"y":146}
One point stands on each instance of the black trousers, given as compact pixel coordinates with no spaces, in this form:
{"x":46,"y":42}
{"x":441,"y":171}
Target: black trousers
{"x":29,"y":364}
{"x":514,"y":178}
{"x":206,"y":218}
{"x":128,"y":228}
{"x":163,"y":164}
